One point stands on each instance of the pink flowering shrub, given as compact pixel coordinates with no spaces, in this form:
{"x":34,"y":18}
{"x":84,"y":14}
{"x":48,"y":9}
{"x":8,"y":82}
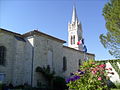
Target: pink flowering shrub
{"x":90,"y":76}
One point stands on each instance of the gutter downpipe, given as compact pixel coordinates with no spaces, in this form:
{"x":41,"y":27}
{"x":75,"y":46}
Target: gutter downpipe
{"x":32,"y":63}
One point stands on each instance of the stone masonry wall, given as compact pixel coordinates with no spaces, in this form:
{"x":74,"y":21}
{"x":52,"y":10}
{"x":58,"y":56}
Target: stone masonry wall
{"x":23,"y":57}
{"x":73,"y":58}
{"x":18,"y":65}
{"x":9,"y":42}
{"x":41,"y":47}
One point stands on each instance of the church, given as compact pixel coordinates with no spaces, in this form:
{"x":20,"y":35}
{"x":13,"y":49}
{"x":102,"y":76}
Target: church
{"x":22,"y":54}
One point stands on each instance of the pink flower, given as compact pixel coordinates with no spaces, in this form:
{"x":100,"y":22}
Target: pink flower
{"x":99,"y":78}
{"x":93,"y":62}
{"x":106,"y":69}
{"x":94,"y":72}
{"x":102,"y":72}
{"x":110,"y":69}
{"x":102,"y":65}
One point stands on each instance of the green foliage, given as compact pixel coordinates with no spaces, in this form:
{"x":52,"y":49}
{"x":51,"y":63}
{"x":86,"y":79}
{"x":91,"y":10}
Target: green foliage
{"x":46,"y":72}
{"x":54,"y":82}
{"x":0,"y":86}
{"x":59,"y":83}
{"x":118,"y":85}
{"x":91,"y":76}
{"x":111,"y":40}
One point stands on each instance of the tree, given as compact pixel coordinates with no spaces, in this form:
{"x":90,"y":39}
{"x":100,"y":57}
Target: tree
{"x":111,"y":40}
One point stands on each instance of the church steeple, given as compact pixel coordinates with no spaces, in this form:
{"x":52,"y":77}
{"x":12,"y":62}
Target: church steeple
{"x":74,"y":31}
{"x":74,"y":15}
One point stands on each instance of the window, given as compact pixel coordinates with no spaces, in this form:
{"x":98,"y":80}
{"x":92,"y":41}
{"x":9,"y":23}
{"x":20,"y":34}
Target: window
{"x":79,"y":62}
{"x":2,"y":77}
{"x":2,"y":55}
{"x":71,"y":40}
{"x":50,"y":59}
{"x":64,"y":64}
{"x":74,"y":39}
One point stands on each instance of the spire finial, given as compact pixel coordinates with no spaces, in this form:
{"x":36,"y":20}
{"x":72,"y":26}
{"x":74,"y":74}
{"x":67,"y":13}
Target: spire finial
{"x":74,"y":15}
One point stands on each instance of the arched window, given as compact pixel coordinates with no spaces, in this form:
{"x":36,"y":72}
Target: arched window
{"x":74,"y":39}
{"x":50,"y":59}
{"x":64,"y":64}
{"x":79,"y":62}
{"x":2,"y":55}
{"x":71,"y":40}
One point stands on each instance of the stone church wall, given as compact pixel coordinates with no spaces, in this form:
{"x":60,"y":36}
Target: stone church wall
{"x":18,"y":65}
{"x":28,"y":60}
{"x":73,"y":56}
{"x":42,"y":45}
{"x":23,"y":56}
{"x":9,"y":42}
{"x":17,"y":68}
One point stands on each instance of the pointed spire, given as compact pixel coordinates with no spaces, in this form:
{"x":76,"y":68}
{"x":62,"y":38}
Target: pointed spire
{"x":74,"y":15}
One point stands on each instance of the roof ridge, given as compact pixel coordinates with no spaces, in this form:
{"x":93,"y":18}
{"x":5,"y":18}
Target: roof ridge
{"x":5,"y":30}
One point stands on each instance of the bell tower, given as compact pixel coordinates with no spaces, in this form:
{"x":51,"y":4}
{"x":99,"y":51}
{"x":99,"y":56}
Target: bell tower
{"x":74,"y":31}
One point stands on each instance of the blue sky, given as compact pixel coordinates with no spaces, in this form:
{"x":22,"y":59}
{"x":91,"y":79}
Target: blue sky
{"x":52,"y":17}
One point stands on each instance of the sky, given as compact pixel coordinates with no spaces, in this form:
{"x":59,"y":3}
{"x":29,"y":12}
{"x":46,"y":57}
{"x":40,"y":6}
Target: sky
{"x":52,"y":17}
